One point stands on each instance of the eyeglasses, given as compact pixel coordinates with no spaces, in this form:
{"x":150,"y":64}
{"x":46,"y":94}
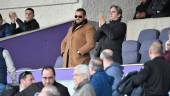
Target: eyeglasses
{"x":45,"y":78}
{"x":76,"y":16}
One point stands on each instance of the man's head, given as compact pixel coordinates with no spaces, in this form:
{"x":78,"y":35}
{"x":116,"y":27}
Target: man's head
{"x":94,"y":65}
{"x":49,"y":90}
{"x":29,"y":14}
{"x":26,"y":79}
{"x":48,"y":75}
{"x":80,"y":15}
{"x":1,"y":19}
{"x":115,"y":13}
{"x":81,"y":73}
{"x":155,"y":49}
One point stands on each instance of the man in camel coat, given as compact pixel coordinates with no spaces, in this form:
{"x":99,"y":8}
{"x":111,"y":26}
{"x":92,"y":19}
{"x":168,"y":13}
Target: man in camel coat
{"x":79,"y":41}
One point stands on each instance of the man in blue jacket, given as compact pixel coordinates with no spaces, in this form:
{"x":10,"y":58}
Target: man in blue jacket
{"x":101,"y":82}
{"x":5,"y":28}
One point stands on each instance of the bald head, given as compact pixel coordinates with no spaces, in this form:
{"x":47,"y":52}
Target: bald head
{"x":155,"y":49}
{"x":107,"y":54}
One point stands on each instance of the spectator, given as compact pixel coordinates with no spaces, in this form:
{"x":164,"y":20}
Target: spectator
{"x":79,"y":41}
{"x":81,"y":78}
{"x":159,"y":8}
{"x":6,"y":64}
{"x":155,"y":74}
{"x":111,"y":35}
{"x":112,"y":69}
{"x":49,"y":90}
{"x":5,"y":28}
{"x":101,"y":82}
{"x":167,"y":49}
{"x":25,"y":79}
{"x":29,"y":24}
{"x":141,"y":10}
{"x":48,"y":78}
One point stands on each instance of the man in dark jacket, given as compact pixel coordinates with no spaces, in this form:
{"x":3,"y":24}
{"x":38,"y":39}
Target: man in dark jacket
{"x":29,"y":24}
{"x":5,"y":28}
{"x":159,"y":8}
{"x":111,"y":35}
{"x":48,"y":78}
{"x":101,"y":82}
{"x":155,"y":74}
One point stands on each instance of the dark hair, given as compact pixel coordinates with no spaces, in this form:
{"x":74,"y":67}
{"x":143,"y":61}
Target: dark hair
{"x":47,"y":68}
{"x":118,"y":9}
{"x":0,"y":16}
{"x":30,"y":10}
{"x":23,"y":75}
{"x":82,"y":10}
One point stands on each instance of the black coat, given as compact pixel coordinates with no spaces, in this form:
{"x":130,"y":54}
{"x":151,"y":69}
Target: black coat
{"x":159,"y":8}
{"x":10,"y":91}
{"x":111,"y":36}
{"x":25,"y":26}
{"x":31,"y":90}
{"x":155,"y":77}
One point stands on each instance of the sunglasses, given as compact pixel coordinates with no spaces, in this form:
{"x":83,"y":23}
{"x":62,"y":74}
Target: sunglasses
{"x":76,"y":16}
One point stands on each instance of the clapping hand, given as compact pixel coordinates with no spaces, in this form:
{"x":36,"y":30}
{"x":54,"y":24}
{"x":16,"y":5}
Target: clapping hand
{"x":101,"y":20}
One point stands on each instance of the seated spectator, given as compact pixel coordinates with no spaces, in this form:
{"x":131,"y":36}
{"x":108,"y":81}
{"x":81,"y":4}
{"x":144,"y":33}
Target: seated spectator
{"x":141,"y":10}
{"x":5,"y":28}
{"x":6,"y":64}
{"x":155,"y":74}
{"x":81,"y":78}
{"x":167,"y":49}
{"x":29,"y":23}
{"x":25,"y":79}
{"x":159,"y":8}
{"x":49,"y":90}
{"x":112,"y":69}
{"x":48,"y":78}
{"x":101,"y":82}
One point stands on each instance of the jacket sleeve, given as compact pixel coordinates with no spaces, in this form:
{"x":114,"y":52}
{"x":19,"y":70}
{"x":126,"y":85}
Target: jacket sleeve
{"x":142,"y":75}
{"x":21,"y":24}
{"x":114,"y":31}
{"x":64,"y":42}
{"x":98,"y":35}
{"x":10,"y":65}
{"x":89,"y":35}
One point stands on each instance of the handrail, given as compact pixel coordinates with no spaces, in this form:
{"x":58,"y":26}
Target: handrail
{"x":28,"y":32}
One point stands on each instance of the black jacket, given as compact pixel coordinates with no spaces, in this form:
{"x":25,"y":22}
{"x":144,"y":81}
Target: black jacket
{"x":159,"y":8}
{"x":31,"y":90}
{"x":25,"y":26}
{"x":155,"y":77}
{"x":111,"y":36}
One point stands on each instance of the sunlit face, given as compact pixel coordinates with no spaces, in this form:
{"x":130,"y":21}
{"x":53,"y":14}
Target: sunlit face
{"x":79,"y":17}
{"x":48,"y":77}
{"x":77,"y":78}
{"x":114,"y":14}
{"x":29,"y":15}
{"x":28,"y":80}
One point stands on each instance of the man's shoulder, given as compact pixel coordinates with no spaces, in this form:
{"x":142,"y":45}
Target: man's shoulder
{"x":58,"y":85}
{"x":89,"y":25}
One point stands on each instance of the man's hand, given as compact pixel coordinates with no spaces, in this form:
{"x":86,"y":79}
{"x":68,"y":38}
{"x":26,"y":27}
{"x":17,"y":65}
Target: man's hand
{"x":13,"y":16}
{"x":101,"y":20}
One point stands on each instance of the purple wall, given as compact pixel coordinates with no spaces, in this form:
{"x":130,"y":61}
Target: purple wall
{"x":36,"y":49}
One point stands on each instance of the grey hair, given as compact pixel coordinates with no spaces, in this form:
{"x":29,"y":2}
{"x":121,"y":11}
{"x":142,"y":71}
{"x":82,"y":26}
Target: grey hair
{"x":156,"y":47}
{"x":83,"y":70}
{"x":51,"y":90}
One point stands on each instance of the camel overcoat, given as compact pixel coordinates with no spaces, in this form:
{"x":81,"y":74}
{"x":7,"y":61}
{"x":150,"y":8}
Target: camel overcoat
{"x":82,"y":39}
